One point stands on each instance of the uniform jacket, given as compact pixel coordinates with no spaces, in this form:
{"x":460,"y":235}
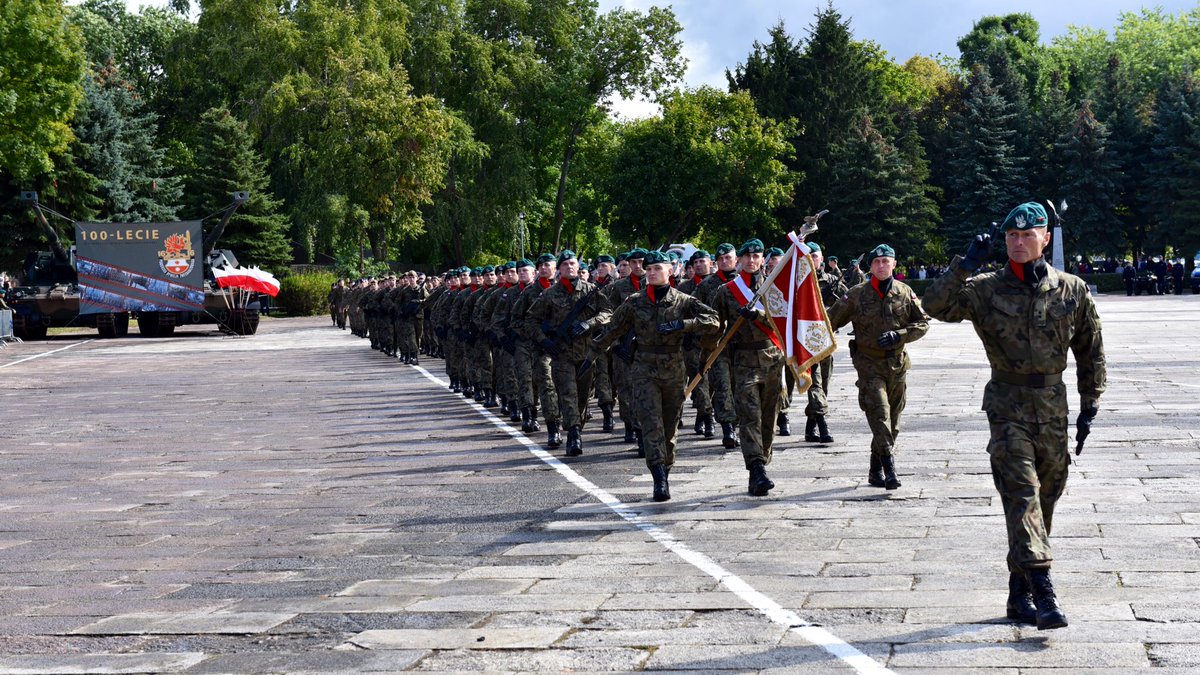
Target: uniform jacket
{"x":643,"y":315}
{"x":740,"y":351}
{"x":873,"y":316}
{"x":553,"y":306}
{"x":1026,"y":330}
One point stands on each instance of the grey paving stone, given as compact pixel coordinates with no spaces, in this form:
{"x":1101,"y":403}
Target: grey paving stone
{"x":452,"y":638}
{"x":50,"y":664}
{"x":1020,"y":655}
{"x":214,"y":622}
{"x":547,"y":660}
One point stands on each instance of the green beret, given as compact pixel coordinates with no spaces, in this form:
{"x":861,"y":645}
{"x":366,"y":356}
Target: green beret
{"x":478,"y":271}
{"x":488,"y":268}
{"x":622,"y":257}
{"x":653,"y":257}
{"x":545,"y":258}
{"x":1025,"y":217}
{"x":722,"y":249}
{"x":567,"y":254}
{"x":638,"y":254}
{"x":880,"y":251}
{"x":832,"y":258}
{"x":674,"y":255}
{"x":523,"y":262}
{"x":698,"y":255}
{"x":751,"y":246}
{"x":813,"y":246}
{"x":583,"y":267}
{"x":604,"y":259}
{"x":774,"y":251}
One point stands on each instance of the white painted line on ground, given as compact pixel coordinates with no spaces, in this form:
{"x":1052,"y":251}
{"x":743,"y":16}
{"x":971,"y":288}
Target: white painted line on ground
{"x":772,"y":610}
{"x":38,"y":356}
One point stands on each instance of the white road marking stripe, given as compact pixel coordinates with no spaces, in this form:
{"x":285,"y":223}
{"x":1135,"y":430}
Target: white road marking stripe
{"x":772,"y":610}
{"x":38,"y":356}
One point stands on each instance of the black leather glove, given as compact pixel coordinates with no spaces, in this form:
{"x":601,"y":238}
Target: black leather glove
{"x":749,"y":313}
{"x":977,"y":253}
{"x":670,"y":327}
{"x":1083,"y":424}
{"x":579,"y":328}
{"x":549,"y":346}
{"x":890,"y":339}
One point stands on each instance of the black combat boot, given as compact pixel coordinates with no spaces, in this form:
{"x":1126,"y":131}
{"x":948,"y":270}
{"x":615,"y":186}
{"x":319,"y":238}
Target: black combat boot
{"x":662,"y":490}
{"x":480,"y":394}
{"x":607,"y":411}
{"x":760,"y":484}
{"x":490,"y":399}
{"x":1020,"y":600}
{"x":641,"y":443}
{"x":785,"y":426}
{"x":728,"y":436}
{"x":514,"y":413}
{"x":503,"y":405}
{"x":629,"y":438}
{"x":534,"y":425}
{"x":823,"y":429}
{"x":526,"y":414}
{"x":698,"y":428}
{"x":1049,"y":612}
{"x":467,"y":391}
{"x":454,"y":385}
{"x":413,"y":360}
{"x":810,"y":431}
{"x":708,"y":426}
{"x":574,"y":442}
{"x":553,"y":440}
{"x":889,"y":472}
{"x":875,"y":477}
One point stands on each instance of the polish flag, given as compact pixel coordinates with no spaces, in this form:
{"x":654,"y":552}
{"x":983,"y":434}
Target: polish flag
{"x":799,"y":314}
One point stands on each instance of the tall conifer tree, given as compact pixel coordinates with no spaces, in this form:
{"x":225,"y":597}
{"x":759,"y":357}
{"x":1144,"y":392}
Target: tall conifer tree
{"x":1173,"y":183}
{"x":1086,"y":182}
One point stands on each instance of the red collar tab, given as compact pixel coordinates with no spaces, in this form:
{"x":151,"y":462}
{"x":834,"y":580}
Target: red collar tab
{"x":1017,"y":269}
{"x":543,"y":282}
{"x":656,"y":293}
{"x":881,"y":287}
{"x":636,"y":281}
{"x":474,"y":287}
{"x":725,"y":278}
{"x":567,"y":284}
{"x":696,"y":279}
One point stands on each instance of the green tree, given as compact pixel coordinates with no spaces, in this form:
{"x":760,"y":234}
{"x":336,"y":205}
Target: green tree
{"x":1017,"y":37}
{"x":1173,"y":171}
{"x":984,"y":180}
{"x":1124,"y":114}
{"x":41,"y":67}
{"x":1086,"y":182}
{"x":226,"y":162}
{"x":710,"y":163}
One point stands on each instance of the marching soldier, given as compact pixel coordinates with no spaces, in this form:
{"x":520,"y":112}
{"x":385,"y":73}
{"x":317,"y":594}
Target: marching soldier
{"x":606,"y":275}
{"x":853,"y":275}
{"x":335,"y":300}
{"x":617,"y":293}
{"x":440,"y":317}
{"x":719,"y":375}
{"x":756,"y":364}
{"x":660,"y":316}
{"x":533,"y":365}
{"x":816,"y":430}
{"x":1028,"y":315}
{"x":693,"y":355}
{"x":561,"y":320}
{"x":480,"y":351}
{"x":886,"y":316}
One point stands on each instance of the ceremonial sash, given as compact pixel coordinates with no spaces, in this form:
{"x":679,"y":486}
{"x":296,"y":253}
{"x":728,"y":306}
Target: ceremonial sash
{"x":744,"y":294}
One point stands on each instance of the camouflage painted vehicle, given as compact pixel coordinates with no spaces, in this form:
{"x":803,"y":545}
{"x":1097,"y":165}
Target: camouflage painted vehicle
{"x":49,"y":296}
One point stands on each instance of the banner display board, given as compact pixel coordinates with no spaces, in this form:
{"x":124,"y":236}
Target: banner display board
{"x":139,"y":267}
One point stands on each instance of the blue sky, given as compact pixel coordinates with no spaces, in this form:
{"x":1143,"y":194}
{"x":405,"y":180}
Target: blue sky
{"x":718,"y":34}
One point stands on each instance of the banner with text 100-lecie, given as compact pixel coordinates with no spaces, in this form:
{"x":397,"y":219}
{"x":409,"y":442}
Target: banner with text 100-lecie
{"x":139,"y":267}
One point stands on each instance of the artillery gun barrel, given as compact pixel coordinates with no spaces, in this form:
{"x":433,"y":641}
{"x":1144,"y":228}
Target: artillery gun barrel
{"x":211,"y":239}
{"x":60,"y":253}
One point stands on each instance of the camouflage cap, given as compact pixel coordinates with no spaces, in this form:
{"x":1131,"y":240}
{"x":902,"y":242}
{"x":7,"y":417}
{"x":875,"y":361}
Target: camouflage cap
{"x":880,"y":251}
{"x":698,"y":255}
{"x":653,"y":257}
{"x":567,"y":254}
{"x":722,"y":249}
{"x":545,"y":258}
{"x":1025,"y":217}
{"x":604,"y":259}
{"x":637,"y":254}
{"x":523,"y":262}
{"x":751,"y":246}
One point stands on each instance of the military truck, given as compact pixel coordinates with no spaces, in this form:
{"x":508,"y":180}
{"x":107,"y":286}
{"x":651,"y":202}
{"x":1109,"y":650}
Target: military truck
{"x":49,"y":295}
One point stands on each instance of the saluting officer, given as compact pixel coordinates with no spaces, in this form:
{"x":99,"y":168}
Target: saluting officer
{"x":886,"y":316}
{"x":1028,"y":316}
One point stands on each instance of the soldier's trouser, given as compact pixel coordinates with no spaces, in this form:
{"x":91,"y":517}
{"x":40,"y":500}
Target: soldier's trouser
{"x":506,"y":381}
{"x":658,"y":403}
{"x":481,"y":363}
{"x":818,"y":393}
{"x":418,"y":328}
{"x":701,"y":397}
{"x":572,"y":388}
{"x":622,"y":383}
{"x":759,"y":386}
{"x":721,"y":384}
{"x":533,"y":380}
{"x":881,"y":395}
{"x":1029,"y":467}
{"x":451,"y":347}
{"x":602,"y":365}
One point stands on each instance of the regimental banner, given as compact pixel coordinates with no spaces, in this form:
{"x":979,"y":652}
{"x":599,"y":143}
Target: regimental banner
{"x":139,"y":267}
{"x":795,"y":305}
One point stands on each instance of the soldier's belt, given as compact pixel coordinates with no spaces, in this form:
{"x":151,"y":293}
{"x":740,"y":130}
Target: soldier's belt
{"x":660,"y":349}
{"x":1035,"y":380}
{"x":745,"y":346}
{"x":874,"y":351}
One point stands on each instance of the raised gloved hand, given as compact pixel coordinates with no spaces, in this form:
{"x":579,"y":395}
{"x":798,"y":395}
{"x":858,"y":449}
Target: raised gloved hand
{"x":1083,"y":423}
{"x":977,"y":253}
{"x":579,"y":328}
{"x":549,"y":346}
{"x":749,"y":313}
{"x":669,"y":327}
{"x":890,"y":339}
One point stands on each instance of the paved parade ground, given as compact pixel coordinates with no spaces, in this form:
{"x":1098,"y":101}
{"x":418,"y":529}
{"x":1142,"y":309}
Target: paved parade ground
{"x":295,"y":502}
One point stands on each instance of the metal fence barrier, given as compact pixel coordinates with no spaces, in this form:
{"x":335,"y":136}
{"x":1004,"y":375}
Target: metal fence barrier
{"x":6,"y":328}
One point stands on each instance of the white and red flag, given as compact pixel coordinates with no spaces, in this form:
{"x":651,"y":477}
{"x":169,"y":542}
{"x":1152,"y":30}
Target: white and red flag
{"x":248,"y":278}
{"x":794,"y":303}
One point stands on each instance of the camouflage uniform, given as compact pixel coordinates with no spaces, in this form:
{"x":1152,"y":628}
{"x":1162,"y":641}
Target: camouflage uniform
{"x":532,"y":370}
{"x":693,"y":358}
{"x":498,"y":330}
{"x":617,"y":293}
{"x":720,"y":376}
{"x":881,"y":372}
{"x":832,"y":290}
{"x":1026,"y":332}
{"x":433,"y":341}
{"x":571,"y":380}
{"x":658,"y":366}
{"x":853,"y":275}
